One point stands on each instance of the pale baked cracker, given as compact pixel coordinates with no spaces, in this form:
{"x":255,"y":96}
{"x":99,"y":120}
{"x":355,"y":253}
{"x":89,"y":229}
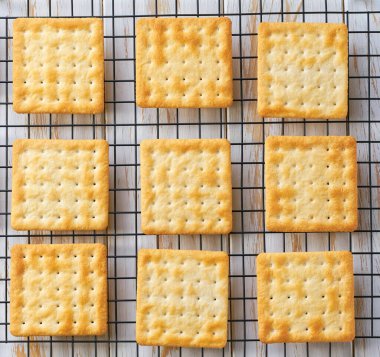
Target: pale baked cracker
{"x":60,"y":185}
{"x":58,"y":289}
{"x":184,"y":62}
{"x":186,"y":186}
{"x":305,"y":297}
{"x":302,"y":70}
{"x":311,"y":184}
{"x":58,"y":65}
{"x":182,"y":298}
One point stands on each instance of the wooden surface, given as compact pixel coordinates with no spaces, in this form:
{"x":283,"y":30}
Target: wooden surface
{"x":123,"y":239}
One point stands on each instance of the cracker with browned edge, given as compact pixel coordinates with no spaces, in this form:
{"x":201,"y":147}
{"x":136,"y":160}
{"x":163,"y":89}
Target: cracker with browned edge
{"x":303,"y":70}
{"x":184,"y":62}
{"x":305,"y":297}
{"x":58,"y":289}
{"x":182,"y":298}
{"x":58,"y":65}
{"x":186,"y":186}
{"x":60,"y":184}
{"x":311,"y":184}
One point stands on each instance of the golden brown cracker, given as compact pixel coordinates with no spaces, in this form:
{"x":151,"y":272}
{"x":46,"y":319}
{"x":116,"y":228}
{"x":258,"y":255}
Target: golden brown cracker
{"x":60,"y":185}
{"x":311,"y":184}
{"x":186,"y":186}
{"x":58,"y":65}
{"x":303,"y":70}
{"x":58,"y":289}
{"x":182,"y":298}
{"x":305,"y":297}
{"x":184,"y":62}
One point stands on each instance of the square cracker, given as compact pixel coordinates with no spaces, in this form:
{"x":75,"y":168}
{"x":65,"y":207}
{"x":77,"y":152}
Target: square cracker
{"x":305,"y":297}
{"x":58,"y":289}
{"x":311,"y":184}
{"x":186,"y":186}
{"x":60,"y":184}
{"x":184,"y":62}
{"x":58,"y":65}
{"x":182,"y":298}
{"x":303,"y":70}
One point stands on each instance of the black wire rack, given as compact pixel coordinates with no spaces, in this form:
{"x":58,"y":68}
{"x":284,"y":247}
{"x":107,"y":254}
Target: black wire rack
{"x":124,"y":125}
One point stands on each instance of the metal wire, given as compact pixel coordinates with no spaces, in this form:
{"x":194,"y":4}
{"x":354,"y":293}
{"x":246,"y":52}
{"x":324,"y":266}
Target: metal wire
{"x":221,"y":128}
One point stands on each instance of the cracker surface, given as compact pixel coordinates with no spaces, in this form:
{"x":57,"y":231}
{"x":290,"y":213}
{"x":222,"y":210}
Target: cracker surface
{"x":58,"y":65}
{"x":182,"y":298}
{"x":305,"y":297}
{"x":60,"y":184}
{"x":58,"y":289}
{"x":186,"y":186}
{"x":311,"y":184}
{"x":303,"y":70}
{"x":184,"y":62}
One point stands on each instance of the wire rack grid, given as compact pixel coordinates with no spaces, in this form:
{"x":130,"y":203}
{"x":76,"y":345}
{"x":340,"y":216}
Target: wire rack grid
{"x":124,"y":125}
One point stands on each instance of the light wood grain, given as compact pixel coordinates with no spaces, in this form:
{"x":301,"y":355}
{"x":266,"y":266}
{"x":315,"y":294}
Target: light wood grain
{"x":360,"y":110}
